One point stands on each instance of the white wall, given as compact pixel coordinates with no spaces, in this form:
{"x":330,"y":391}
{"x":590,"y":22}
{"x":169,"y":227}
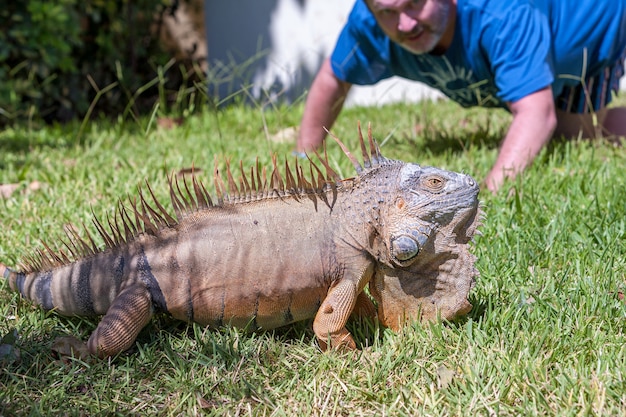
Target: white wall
{"x":296,"y":35}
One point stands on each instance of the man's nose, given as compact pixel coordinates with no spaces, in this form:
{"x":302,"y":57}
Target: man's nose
{"x":406,"y":23}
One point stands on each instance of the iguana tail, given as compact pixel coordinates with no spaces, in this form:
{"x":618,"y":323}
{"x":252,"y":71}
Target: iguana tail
{"x":73,"y":289}
{"x":85,"y":288}
{"x":9,"y":274}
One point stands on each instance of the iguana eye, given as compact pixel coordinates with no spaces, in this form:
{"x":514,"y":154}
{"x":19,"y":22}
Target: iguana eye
{"x":434,"y":183}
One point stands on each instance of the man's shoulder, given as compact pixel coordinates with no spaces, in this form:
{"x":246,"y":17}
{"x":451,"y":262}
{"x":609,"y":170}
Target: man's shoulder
{"x":361,"y":19}
{"x":494,"y":9}
{"x":485,"y":20}
{"x":361,"y":53}
{"x":362,"y":29}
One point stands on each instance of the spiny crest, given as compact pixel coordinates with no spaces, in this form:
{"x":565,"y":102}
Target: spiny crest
{"x":371,"y":160}
{"x":143,"y":217}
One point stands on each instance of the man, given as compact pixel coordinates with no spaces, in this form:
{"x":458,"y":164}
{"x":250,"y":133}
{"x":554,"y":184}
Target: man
{"x":552,"y":63}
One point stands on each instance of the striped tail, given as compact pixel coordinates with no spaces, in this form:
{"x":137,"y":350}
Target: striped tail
{"x":78,"y":288}
{"x":39,"y":284}
{"x":14,"y":278}
{"x":129,"y":311}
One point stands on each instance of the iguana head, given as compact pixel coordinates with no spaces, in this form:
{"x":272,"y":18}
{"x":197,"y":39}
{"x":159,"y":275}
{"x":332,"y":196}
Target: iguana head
{"x":430,"y":270}
{"x":423,"y":220}
{"x":427,"y":199}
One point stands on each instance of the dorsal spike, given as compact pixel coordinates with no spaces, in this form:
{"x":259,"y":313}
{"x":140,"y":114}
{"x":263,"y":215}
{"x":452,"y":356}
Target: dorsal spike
{"x":299,"y":184}
{"x":185,"y":200}
{"x":321,"y":182}
{"x":108,"y":241}
{"x":63,"y":255}
{"x":178,"y":205}
{"x":207,"y":195}
{"x":366,"y":159}
{"x":33,"y":262}
{"x":69,"y":243}
{"x":311,"y":176}
{"x":252,"y":183}
{"x":51,"y":255}
{"x":219,"y":184}
{"x":148,"y":225}
{"x":167,"y":218}
{"x":138,"y":222}
{"x":245,"y":185}
{"x":129,"y":228}
{"x":73,"y":252}
{"x":90,"y":250}
{"x":346,"y":151}
{"x":263,"y":181}
{"x":303,"y":184}
{"x":202,"y":197}
{"x":233,"y":190}
{"x":330,"y":173}
{"x":376,"y":156}
{"x":192,"y":204}
{"x":114,"y":230}
{"x":158,"y":220}
{"x":277,"y":185}
{"x":122,"y":229}
{"x":321,"y":179}
{"x":289,"y":179}
{"x":38,"y":259}
{"x":46,"y":261}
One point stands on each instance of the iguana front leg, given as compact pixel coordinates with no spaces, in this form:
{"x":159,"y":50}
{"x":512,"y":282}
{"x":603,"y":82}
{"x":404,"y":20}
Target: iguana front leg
{"x":329,"y":324}
{"x":130,"y":312}
{"x":330,"y":321}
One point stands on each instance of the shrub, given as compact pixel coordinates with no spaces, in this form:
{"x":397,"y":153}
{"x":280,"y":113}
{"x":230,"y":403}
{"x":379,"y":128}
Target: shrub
{"x":57,"y":57}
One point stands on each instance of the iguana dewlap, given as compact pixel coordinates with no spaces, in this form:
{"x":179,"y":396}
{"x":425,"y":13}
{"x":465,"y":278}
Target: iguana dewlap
{"x":272,"y":252}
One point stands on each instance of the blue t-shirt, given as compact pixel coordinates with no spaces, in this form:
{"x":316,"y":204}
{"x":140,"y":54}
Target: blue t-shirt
{"x":501,"y":51}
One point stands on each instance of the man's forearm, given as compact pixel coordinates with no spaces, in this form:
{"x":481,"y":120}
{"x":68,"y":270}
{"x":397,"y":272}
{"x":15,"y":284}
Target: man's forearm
{"x":318,"y":114}
{"x":519,"y":148}
{"x":323,"y":105}
{"x":533,"y":123}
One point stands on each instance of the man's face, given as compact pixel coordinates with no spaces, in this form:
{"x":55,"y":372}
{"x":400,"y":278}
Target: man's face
{"x":417,"y":25}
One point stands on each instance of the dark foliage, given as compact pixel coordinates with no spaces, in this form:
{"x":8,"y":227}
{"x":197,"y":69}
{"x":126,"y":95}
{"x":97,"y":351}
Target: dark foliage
{"x":59,"y":57}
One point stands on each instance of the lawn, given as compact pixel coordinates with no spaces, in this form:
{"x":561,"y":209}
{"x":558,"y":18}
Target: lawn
{"x":546,"y":335}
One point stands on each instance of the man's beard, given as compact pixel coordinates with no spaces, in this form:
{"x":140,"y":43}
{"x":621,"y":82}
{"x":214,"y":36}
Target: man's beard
{"x":434,"y":35}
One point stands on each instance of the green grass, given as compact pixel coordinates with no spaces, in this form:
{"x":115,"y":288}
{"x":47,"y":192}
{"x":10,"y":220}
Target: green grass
{"x":546,"y":335}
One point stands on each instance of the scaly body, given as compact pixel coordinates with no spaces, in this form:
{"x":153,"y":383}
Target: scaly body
{"x":270,"y":254}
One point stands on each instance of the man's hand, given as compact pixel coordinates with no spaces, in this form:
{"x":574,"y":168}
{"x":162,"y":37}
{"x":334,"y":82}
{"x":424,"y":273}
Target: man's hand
{"x":534,"y":121}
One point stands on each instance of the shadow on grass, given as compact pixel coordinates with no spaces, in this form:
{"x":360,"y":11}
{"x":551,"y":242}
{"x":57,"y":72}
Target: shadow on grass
{"x":479,"y":309}
{"x":23,"y":138}
{"x":19,"y":140}
{"x":440,"y":142}
{"x":437,"y":141}
{"x":17,"y":143}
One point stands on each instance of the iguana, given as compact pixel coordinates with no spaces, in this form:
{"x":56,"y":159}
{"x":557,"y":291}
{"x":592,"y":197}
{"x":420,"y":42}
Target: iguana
{"x":271,"y":252}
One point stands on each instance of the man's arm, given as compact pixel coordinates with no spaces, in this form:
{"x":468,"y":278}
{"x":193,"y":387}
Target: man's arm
{"x":534,"y":121}
{"x":323,"y":105}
